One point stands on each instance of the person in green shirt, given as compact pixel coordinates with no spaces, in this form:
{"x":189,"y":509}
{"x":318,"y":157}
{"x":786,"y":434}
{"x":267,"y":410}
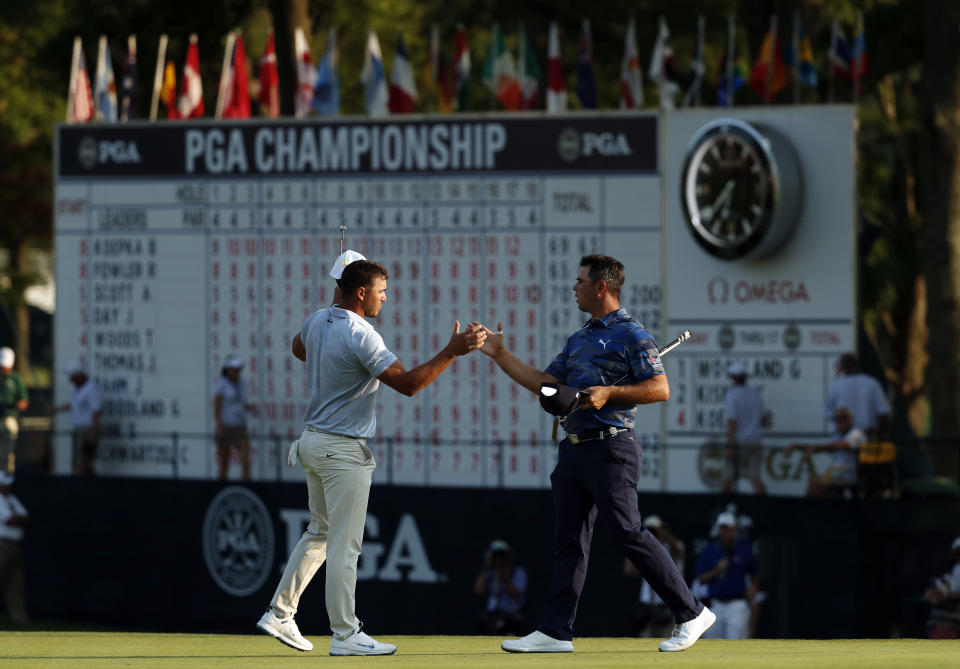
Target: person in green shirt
{"x":13,"y":400}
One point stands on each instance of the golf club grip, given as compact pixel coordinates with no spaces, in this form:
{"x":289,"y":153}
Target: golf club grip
{"x":684,"y":336}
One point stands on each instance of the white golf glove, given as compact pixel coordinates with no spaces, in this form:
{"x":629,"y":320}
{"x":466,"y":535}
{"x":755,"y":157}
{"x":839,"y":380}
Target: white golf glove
{"x":293,"y":458}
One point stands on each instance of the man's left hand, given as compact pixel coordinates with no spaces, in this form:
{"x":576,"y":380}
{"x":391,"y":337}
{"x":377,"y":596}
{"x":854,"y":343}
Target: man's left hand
{"x":595,"y":397}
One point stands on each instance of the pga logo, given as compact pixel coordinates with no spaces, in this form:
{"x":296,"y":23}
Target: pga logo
{"x":606,"y":144}
{"x":92,"y":152}
{"x":572,"y":144}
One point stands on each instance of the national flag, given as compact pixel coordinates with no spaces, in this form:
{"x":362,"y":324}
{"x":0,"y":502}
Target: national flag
{"x":326,"y":92}
{"x":237,"y":89}
{"x":461,"y":66}
{"x":80,"y":96}
{"x":403,"y":87}
{"x":190,"y":104}
{"x":858,"y":54}
{"x":661,"y":69}
{"x":105,"y":91}
{"x":500,"y":73}
{"x":697,"y":68}
{"x":168,"y":93}
{"x":436,"y":77}
{"x":129,"y":81}
{"x":556,"y":84}
{"x":306,"y":74}
{"x":373,"y":78}
{"x":840,"y":51}
{"x":269,"y":94}
{"x":586,"y":82}
{"x":736,"y":64}
{"x":631,"y":78}
{"x":769,"y":76}
{"x":529,"y":73}
{"x":800,"y":59}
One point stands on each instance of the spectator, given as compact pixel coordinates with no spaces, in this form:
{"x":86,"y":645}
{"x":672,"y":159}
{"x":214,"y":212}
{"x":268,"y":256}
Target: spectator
{"x":944,"y":595}
{"x":230,"y":409}
{"x":945,"y":590}
{"x":862,"y":395}
{"x":503,"y":585}
{"x":650,"y":616}
{"x":13,"y":518}
{"x":84,"y":408}
{"x":841,"y":476}
{"x":13,"y":400}
{"x":727,"y":568}
{"x":745,"y":422}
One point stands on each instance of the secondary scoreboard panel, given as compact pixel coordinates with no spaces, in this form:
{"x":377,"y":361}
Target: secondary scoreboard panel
{"x":180,"y":244}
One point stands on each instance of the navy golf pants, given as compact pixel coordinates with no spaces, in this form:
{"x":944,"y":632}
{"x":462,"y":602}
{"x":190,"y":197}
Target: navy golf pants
{"x":598,"y":479}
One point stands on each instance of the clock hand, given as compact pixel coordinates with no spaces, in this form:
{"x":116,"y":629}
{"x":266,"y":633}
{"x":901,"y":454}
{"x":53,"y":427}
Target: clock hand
{"x":722,"y":200}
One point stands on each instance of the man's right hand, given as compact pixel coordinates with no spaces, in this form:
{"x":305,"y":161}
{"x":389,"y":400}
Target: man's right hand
{"x":494,"y":341}
{"x":470,"y":339}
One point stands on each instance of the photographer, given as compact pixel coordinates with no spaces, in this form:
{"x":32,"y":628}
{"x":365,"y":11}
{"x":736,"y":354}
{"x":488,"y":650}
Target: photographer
{"x":503,"y":585}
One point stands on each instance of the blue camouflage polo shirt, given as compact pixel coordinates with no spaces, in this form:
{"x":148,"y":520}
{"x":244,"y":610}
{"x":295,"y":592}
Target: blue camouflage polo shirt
{"x":613,"y":350}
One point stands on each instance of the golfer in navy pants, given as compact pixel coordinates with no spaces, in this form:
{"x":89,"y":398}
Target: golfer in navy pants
{"x":614,"y":363}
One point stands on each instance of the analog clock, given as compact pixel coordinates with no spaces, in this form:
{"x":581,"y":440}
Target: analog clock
{"x":740,"y":189}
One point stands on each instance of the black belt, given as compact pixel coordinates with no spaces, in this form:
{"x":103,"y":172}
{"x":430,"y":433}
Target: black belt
{"x":581,"y":437}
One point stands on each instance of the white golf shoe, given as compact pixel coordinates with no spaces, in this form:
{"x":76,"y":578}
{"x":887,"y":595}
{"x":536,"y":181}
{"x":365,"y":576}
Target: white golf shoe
{"x":537,"y":642}
{"x":283,"y":630}
{"x":360,"y":643}
{"x":686,"y":635}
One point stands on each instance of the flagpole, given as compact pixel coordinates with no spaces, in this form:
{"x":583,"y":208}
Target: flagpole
{"x":795,"y":43}
{"x":771,"y":59}
{"x":830,"y":54}
{"x":72,"y":91}
{"x":224,"y":75}
{"x":158,"y":76}
{"x":731,"y":41}
{"x":855,"y":78}
{"x":701,"y":29}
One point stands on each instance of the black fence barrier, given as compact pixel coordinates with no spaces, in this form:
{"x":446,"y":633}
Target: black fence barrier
{"x":199,"y":556}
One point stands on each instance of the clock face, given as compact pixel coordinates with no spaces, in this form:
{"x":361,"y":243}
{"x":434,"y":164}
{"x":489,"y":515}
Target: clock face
{"x":730,"y":189}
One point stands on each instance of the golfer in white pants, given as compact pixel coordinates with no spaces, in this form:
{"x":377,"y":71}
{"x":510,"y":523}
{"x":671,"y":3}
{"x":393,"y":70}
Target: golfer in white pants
{"x":345,"y":359}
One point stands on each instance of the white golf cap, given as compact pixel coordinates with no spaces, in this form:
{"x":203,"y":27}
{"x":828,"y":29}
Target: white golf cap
{"x":736,"y":369}
{"x":232,"y":362}
{"x":73,"y":367}
{"x":727,"y":518}
{"x":7,"y":357}
{"x":343,"y":260}
{"x":956,"y":544}
{"x":653,"y":521}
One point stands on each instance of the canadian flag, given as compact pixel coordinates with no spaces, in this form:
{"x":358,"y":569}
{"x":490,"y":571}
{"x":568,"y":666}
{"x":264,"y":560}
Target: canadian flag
{"x":191,"y":91}
{"x":556,"y":86}
{"x":306,"y":74}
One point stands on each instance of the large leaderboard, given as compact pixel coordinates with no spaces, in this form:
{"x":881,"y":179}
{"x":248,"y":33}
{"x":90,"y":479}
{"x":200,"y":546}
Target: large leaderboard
{"x":181,"y":243}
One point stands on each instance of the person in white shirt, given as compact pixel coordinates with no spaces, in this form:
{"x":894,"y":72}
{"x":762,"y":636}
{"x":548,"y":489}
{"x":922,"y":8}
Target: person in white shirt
{"x":746,"y":419}
{"x":85,"y":409}
{"x":230,"y":407}
{"x":862,"y":395}
{"x":346,"y":360}
{"x":13,"y":518}
{"x":841,"y":475}
{"x":945,"y":590}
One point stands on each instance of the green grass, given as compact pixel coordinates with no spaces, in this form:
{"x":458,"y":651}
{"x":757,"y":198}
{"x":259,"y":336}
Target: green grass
{"x":203,"y":651}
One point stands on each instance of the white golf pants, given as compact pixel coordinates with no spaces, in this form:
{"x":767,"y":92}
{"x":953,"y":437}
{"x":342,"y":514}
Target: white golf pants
{"x":733,"y":619}
{"x":339,"y":470}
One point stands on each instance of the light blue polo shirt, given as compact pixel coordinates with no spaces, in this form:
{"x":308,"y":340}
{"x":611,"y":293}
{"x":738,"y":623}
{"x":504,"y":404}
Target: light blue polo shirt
{"x":345,"y":355}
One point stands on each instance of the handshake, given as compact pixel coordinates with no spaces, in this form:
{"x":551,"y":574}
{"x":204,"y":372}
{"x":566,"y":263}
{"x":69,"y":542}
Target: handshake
{"x":476,"y":336}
